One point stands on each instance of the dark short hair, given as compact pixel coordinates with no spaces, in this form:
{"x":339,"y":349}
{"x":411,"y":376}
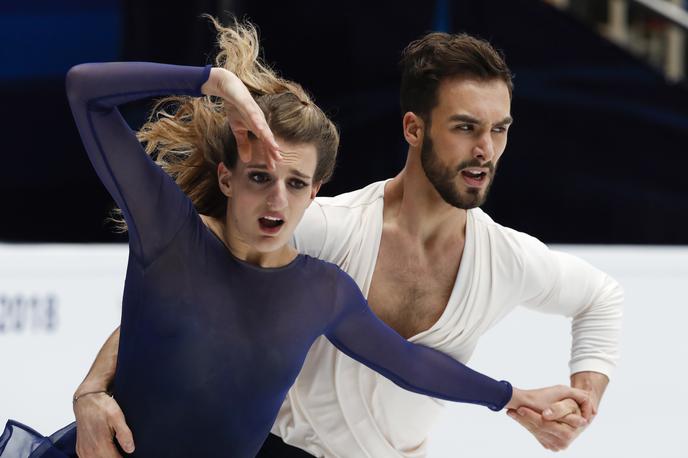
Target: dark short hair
{"x":438,"y":55}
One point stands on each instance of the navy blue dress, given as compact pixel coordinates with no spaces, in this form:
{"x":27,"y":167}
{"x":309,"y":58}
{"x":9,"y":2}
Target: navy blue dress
{"x":210,"y":344}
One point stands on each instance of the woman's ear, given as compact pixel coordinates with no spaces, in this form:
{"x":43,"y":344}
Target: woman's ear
{"x":314,"y":189}
{"x":414,"y":128}
{"x":224,"y":176}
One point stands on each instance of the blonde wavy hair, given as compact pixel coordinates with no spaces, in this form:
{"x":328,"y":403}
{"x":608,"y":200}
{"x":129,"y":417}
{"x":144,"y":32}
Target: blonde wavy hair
{"x":189,"y":136}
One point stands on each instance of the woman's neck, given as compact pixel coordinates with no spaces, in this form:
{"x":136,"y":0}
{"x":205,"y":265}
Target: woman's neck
{"x":245,"y":251}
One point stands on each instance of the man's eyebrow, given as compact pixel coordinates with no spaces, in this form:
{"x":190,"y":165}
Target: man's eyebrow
{"x":293,"y":171}
{"x":470,"y":119}
{"x":464,"y":118}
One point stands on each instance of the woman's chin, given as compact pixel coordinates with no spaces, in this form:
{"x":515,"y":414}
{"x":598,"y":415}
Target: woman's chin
{"x":269,"y":244}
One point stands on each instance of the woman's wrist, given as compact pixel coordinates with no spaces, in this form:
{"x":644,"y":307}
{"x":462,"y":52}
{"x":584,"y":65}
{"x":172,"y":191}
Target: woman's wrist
{"x":518,"y":398}
{"x":217,"y":80}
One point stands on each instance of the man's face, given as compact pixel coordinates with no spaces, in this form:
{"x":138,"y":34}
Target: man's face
{"x":466,"y":138}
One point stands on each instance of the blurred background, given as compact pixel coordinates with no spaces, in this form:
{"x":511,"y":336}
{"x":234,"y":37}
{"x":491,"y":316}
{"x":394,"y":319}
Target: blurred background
{"x":597,"y":153}
{"x":597,"y":160}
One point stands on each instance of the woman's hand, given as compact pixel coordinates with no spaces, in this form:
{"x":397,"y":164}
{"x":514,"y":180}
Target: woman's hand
{"x":99,"y":422}
{"x":243,"y":114}
{"x":543,"y":399}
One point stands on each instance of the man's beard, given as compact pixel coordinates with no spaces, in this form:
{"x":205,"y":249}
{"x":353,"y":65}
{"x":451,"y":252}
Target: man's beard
{"x":444,"y":179}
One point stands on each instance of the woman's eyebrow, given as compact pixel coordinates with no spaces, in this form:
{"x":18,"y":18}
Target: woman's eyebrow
{"x":291,"y":170}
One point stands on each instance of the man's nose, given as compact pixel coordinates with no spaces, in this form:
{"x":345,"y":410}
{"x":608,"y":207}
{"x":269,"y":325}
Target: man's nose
{"x":484,"y":149}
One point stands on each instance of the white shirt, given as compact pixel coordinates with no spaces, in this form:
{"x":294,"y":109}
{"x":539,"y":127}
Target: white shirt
{"x":340,"y":408}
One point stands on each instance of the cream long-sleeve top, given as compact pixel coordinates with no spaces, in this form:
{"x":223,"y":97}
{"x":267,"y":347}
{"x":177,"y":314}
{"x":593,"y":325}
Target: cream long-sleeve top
{"x":340,"y":408}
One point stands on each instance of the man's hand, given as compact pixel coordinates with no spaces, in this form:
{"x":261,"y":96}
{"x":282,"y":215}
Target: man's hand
{"x":100,"y":421}
{"x":559,"y":425}
{"x":98,"y":417}
{"x":558,"y":428}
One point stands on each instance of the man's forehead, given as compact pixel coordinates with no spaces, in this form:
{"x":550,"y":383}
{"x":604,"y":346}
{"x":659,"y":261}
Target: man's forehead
{"x":459,"y":83}
{"x":481,"y":100}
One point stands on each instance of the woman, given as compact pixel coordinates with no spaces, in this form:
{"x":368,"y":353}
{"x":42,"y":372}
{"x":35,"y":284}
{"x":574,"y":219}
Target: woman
{"x":219,"y":312}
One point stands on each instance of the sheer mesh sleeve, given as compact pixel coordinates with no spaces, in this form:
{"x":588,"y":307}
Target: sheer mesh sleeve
{"x":153,"y":206}
{"x":358,"y":333}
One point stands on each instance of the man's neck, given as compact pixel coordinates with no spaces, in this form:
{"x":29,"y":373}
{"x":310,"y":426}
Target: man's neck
{"x":414,"y":206}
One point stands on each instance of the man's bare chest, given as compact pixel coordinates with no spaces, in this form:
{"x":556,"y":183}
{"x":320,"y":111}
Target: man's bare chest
{"x":410,"y":289}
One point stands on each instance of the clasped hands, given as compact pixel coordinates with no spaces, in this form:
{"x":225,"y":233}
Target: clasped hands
{"x":555,"y":415}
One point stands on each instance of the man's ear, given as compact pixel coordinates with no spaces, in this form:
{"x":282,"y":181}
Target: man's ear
{"x":224,"y":176}
{"x":315,"y":189}
{"x":414,"y":129}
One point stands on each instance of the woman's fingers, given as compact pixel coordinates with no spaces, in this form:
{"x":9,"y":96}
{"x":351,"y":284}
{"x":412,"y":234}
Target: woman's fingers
{"x":243,"y":145}
{"x":245,"y":116}
{"x":560,"y":409}
{"x":584,"y":400}
{"x":252,"y":120}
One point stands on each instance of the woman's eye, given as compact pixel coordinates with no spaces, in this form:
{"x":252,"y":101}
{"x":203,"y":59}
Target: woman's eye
{"x":259,"y":177}
{"x":297,"y":184}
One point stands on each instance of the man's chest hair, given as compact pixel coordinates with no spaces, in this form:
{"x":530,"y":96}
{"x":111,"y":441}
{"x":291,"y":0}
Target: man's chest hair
{"x":410,"y":294}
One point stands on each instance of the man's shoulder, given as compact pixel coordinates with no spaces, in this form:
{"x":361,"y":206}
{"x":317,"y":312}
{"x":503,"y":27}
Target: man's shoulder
{"x":368,"y":195}
{"x":507,"y":239}
{"x":514,"y":256}
{"x":331,"y":224}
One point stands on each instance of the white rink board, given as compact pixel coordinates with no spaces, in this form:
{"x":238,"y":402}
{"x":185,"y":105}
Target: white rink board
{"x":58,"y":303}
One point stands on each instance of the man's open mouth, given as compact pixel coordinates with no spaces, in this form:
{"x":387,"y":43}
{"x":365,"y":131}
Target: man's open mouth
{"x":474,"y":174}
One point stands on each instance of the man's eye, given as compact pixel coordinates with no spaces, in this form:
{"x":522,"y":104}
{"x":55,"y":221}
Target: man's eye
{"x":464,"y":127}
{"x":259,"y":177}
{"x":499,"y":129}
{"x":297,"y":184}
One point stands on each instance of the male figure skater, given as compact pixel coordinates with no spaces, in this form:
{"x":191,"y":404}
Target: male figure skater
{"x":433,"y":266}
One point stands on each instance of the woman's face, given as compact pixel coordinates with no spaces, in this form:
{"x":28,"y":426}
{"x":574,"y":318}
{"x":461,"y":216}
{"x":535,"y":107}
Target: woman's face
{"x":265,"y":206}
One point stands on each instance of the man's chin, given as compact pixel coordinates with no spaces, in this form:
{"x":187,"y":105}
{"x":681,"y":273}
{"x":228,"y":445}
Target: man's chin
{"x":468,"y":200}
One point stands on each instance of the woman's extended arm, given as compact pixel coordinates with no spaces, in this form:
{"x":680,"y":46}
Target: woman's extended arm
{"x":360,"y":334}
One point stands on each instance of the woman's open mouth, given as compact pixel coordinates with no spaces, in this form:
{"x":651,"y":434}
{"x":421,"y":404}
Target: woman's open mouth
{"x":270,"y":224}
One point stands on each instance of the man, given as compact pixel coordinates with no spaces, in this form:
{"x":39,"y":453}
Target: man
{"x":433,"y":266}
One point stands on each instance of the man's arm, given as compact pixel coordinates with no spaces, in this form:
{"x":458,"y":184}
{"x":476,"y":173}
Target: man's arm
{"x":98,"y":416}
{"x":103,"y":368}
{"x":594,"y":301}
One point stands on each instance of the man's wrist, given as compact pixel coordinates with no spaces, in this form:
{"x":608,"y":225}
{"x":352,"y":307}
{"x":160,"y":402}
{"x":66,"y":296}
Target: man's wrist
{"x":89,"y":393}
{"x":593,"y":382}
{"x":92,"y":385}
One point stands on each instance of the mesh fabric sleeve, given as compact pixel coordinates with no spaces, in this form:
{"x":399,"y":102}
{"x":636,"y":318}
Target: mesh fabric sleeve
{"x":358,"y":333}
{"x":153,"y":206}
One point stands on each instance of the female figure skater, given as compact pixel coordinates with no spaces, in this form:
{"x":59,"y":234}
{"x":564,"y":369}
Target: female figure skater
{"x":219,"y":311}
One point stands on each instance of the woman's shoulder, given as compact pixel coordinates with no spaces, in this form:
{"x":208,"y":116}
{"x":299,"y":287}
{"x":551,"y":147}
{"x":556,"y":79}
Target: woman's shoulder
{"x":319,"y":267}
{"x":329,"y":274}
